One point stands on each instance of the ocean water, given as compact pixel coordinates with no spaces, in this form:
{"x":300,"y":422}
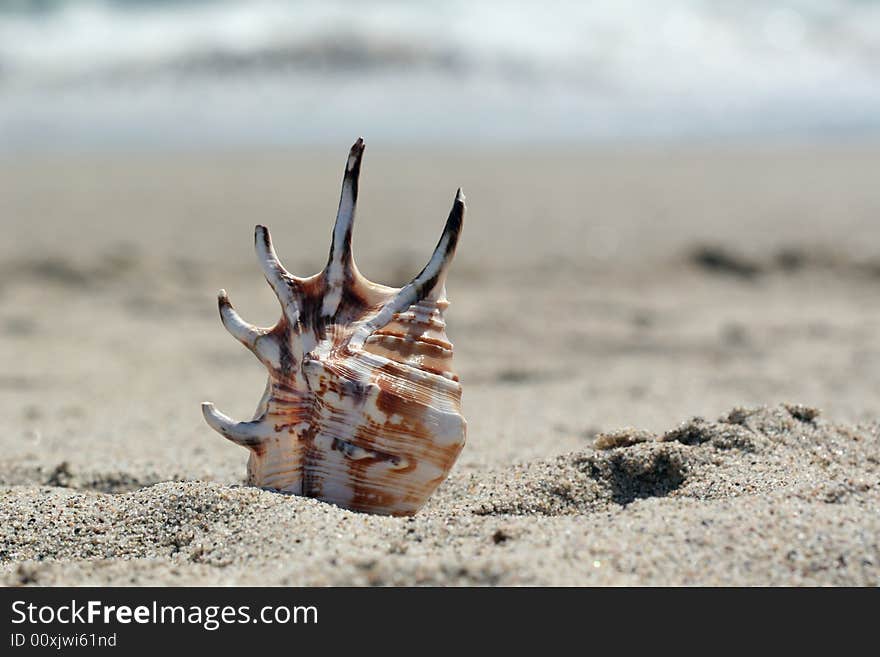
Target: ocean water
{"x":203,"y":73}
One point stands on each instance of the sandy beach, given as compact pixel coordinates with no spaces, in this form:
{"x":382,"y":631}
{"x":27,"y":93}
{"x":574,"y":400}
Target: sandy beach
{"x":670,"y":359}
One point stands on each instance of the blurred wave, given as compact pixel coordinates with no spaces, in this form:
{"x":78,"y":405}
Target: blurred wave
{"x":147,"y":72}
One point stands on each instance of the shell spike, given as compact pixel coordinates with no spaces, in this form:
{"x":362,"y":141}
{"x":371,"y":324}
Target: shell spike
{"x":239,"y":329}
{"x":433,"y":277}
{"x":438,"y":267}
{"x":258,"y":340}
{"x":429,"y":283}
{"x":340,"y":263}
{"x":279,"y":279}
{"x":248,"y":434}
{"x":340,"y":248}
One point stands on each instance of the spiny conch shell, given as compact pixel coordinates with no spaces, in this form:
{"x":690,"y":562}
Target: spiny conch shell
{"x":362,"y":408}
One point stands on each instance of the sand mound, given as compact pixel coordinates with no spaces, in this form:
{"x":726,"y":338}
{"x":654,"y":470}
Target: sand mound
{"x":793,"y":498}
{"x":64,"y":475}
{"x":745,"y":452}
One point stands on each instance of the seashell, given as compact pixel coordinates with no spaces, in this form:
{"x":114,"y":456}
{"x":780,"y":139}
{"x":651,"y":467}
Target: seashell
{"x":362,"y":408}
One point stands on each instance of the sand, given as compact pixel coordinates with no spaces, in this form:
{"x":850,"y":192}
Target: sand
{"x":601,"y":300}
